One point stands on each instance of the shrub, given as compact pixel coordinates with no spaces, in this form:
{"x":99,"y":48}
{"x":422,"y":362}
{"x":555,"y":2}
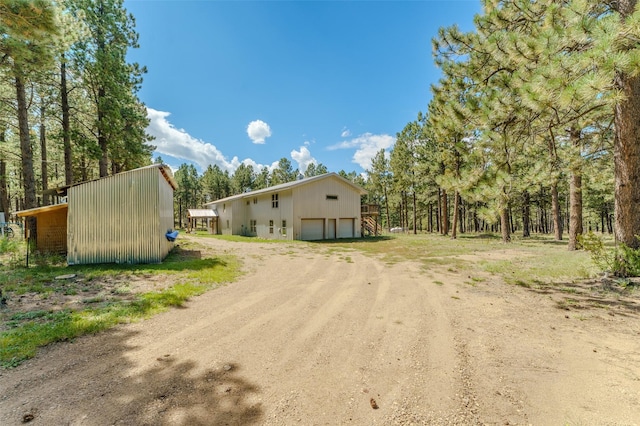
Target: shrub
{"x":621,"y":261}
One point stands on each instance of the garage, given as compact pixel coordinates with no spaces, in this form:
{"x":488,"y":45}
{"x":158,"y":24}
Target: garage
{"x":312,"y":229}
{"x":346,"y":228}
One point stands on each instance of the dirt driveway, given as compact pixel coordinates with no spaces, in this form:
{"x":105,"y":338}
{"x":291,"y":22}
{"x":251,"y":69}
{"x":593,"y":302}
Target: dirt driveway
{"x":313,"y":336}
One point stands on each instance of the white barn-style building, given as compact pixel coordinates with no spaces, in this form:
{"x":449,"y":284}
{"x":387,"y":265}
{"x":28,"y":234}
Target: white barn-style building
{"x":321,"y":207}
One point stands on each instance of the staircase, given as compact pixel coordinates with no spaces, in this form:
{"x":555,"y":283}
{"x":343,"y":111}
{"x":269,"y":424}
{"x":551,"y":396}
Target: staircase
{"x":370,"y":226}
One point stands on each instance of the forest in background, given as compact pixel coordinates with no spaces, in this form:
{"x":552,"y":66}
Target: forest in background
{"x":533,"y":126}
{"x":69,"y":110}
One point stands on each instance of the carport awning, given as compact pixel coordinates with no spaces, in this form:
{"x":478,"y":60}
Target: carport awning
{"x":201,"y":213}
{"x":40,"y":210}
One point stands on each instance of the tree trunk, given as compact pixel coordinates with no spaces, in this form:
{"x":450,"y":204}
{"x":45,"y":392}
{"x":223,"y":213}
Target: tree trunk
{"x":43,"y":155}
{"x":526,"y":214}
{"x":66,"y":128}
{"x":386,"y":202}
{"x":575,"y":195}
{"x":626,"y":150}
{"x":464,"y":218}
{"x":4,"y":193}
{"x":555,"y":207}
{"x":626,"y":155}
{"x":405,"y":206}
{"x":504,"y":225}
{"x":102,"y":138}
{"x":28,"y":176}
{"x":511,"y":221}
{"x":444,"y":211}
{"x":415,"y":220}
{"x":438,"y":212}
{"x":454,"y":225}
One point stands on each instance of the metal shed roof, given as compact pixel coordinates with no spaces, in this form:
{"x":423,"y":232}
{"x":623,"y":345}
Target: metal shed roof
{"x":164,"y":169}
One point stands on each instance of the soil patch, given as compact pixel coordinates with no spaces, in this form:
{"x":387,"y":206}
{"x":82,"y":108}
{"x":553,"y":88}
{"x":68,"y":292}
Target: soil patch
{"x":311,"y":336}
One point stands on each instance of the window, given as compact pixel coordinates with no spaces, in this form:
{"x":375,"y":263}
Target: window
{"x":248,"y":202}
{"x":274,"y":201}
{"x":271,"y":226}
{"x":227,"y":223}
{"x":284,"y":227}
{"x":332,"y":197}
{"x":254,"y":225}
{"x":224,"y":207}
{"x":255,"y":200}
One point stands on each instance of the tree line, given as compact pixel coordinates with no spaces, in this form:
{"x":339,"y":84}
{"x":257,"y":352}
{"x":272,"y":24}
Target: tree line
{"x":534,"y":125}
{"x":69,"y":110}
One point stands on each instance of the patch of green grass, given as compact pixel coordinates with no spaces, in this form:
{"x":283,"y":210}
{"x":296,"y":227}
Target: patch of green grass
{"x":10,"y":245}
{"x":243,"y":239}
{"x":524,"y":262}
{"x":95,"y":299}
{"x":438,"y":282}
{"x":534,"y":264}
{"x":29,"y":331}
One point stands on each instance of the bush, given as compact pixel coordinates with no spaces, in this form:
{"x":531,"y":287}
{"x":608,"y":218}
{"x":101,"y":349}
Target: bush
{"x":9,"y":245}
{"x":627,"y":263}
{"x":621,"y":261}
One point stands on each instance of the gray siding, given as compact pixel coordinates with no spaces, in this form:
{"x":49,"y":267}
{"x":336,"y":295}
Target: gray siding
{"x":120,"y":219}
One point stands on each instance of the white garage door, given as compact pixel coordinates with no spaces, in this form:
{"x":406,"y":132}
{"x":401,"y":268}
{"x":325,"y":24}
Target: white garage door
{"x":345,"y":228}
{"x":312,"y":229}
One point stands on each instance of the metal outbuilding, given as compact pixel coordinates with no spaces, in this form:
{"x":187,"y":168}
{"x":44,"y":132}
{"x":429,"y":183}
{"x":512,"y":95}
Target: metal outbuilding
{"x":123,"y":218}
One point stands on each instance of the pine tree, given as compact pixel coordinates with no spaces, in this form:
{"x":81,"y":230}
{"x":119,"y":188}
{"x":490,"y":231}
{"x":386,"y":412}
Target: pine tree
{"x":26,"y":36}
{"x":112,"y":83}
{"x":380,"y":180}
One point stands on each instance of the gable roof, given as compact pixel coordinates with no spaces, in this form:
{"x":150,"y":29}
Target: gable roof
{"x":289,"y":185}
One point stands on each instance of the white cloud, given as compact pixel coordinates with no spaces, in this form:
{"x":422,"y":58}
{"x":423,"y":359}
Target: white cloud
{"x":303,"y":158}
{"x":258,"y":131}
{"x":345,"y":133}
{"x":180,"y":144}
{"x":367,"y":146}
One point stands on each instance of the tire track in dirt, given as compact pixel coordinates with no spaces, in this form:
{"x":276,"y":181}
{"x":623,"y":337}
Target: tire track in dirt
{"x":310,"y":335}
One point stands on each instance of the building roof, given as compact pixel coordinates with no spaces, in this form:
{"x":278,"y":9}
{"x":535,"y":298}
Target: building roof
{"x":289,"y":185}
{"x":201,"y":213}
{"x":164,"y":169}
{"x":39,"y":210}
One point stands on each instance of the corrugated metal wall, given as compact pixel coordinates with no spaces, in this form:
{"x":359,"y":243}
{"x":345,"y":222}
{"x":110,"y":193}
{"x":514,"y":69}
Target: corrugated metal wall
{"x":165,"y":203}
{"x":120,"y":219}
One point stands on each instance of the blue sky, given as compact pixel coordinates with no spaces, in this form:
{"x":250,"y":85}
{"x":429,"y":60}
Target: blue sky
{"x":329,"y":82}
